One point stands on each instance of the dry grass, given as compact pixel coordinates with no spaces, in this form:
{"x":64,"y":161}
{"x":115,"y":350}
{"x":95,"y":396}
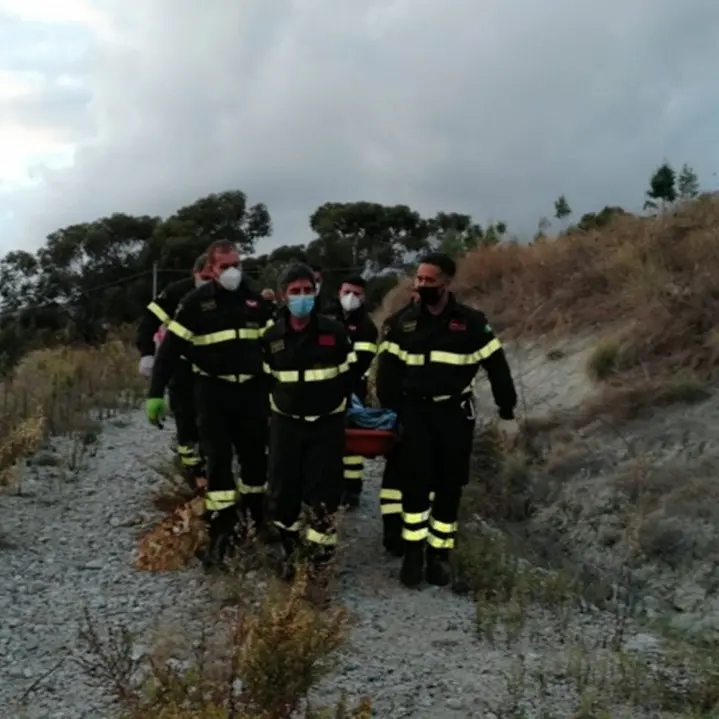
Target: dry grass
{"x":655,"y":279}
{"x":63,"y":391}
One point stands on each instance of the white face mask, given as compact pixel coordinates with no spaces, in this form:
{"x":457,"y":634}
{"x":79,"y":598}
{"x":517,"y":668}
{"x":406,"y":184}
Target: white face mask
{"x":230,"y":278}
{"x":350,"y":302}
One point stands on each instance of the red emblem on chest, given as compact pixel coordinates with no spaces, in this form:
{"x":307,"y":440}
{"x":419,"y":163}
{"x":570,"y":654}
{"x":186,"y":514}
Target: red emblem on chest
{"x":457,"y":326}
{"x":326,"y":341}
{"x":251,"y":303}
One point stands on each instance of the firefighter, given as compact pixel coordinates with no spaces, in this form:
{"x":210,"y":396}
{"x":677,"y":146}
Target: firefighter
{"x":219,"y":327}
{"x":323,"y":301}
{"x":308,"y":357}
{"x":181,"y":387}
{"x":429,"y":354}
{"x":350,"y":310}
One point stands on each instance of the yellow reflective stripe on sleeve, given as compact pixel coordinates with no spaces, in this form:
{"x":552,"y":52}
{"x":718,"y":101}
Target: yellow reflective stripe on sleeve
{"x":159,"y":313}
{"x":397,"y":351}
{"x":325,"y":540}
{"x":270,"y":323}
{"x":177,"y":329}
{"x":294,"y":527}
{"x":216,"y":501}
{"x":464,"y":359}
{"x":243,"y":488}
{"x":227,"y":336}
{"x":365,"y":347}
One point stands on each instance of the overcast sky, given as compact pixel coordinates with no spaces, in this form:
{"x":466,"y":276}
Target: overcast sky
{"x":491,"y":107}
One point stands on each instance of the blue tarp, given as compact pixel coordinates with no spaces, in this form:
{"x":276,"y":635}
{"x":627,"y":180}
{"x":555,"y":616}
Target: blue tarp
{"x":361,"y":417}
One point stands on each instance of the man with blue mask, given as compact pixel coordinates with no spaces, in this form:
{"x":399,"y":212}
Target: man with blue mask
{"x":308,"y":357}
{"x":219,"y":327}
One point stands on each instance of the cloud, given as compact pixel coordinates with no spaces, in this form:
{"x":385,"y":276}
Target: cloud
{"x":492,"y":108}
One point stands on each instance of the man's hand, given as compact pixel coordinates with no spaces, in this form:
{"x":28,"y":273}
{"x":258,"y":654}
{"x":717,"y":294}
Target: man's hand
{"x":155,"y":410}
{"x":146,"y":364}
{"x":508,"y":431}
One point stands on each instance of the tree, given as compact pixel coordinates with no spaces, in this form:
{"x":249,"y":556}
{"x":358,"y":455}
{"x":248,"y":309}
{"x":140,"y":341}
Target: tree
{"x":687,"y":183}
{"x":662,"y":187}
{"x":454,"y":233}
{"x":542,"y":227}
{"x":562,"y":209}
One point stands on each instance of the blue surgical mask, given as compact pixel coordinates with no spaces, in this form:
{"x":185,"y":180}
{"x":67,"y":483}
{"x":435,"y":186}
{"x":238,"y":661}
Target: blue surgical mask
{"x":301,"y":305}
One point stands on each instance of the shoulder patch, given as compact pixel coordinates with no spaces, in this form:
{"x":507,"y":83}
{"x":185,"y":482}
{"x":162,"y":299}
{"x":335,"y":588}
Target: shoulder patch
{"x":208,"y":305}
{"x":409,"y":326}
{"x":277,"y":346}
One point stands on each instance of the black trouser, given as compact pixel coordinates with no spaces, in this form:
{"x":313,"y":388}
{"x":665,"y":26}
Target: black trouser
{"x":306,"y":468}
{"x":183,"y":408}
{"x":434,"y":454}
{"x":390,"y":495}
{"x":233,"y":418}
{"x":354,"y":463}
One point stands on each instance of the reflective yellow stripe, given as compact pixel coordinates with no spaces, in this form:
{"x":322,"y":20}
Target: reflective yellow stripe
{"x":353,"y":459}
{"x":326,"y":540}
{"x":339,"y":409}
{"x":365,"y":347}
{"x":406,"y":357}
{"x":270,"y":323}
{"x":464,"y":359}
{"x":443,"y":527}
{"x":415,"y":535}
{"x":415,"y":517}
{"x":308,"y":375}
{"x":294,"y":527}
{"x":225,"y":377}
{"x":214,"y":338}
{"x":215,"y":501}
{"x":390,"y":494}
{"x":159,"y":313}
{"x":243,"y":488}
{"x":437,"y":543}
{"x":190,"y":460}
{"x":391,"y":508}
{"x":353,"y":473}
{"x":182,"y":332}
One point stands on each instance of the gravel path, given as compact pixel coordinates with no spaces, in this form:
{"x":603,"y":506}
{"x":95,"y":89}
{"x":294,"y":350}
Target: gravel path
{"x":415,"y":652}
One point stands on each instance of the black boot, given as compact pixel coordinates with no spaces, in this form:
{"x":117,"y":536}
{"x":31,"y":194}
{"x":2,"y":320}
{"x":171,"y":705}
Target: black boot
{"x":290,"y":542}
{"x":438,"y":572}
{"x":392,"y":534}
{"x":412,"y":571}
{"x":221,"y":530}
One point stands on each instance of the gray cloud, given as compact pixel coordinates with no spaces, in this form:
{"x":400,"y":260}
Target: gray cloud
{"x":492,"y":108}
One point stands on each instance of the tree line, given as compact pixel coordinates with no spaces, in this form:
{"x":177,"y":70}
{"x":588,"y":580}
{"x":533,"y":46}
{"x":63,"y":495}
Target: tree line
{"x":90,"y":277}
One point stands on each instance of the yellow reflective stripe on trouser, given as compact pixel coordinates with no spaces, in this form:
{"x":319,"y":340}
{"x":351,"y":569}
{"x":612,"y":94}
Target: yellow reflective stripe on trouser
{"x":353,"y":466}
{"x":180,"y":330}
{"x":415,"y":526}
{"x":456,"y":358}
{"x":159,"y":313}
{"x":390,"y":501}
{"x":188,"y":455}
{"x":294,"y":527}
{"x":214,"y":338}
{"x":397,"y":351}
{"x":339,"y":409}
{"x":243,"y":488}
{"x":441,"y":534}
{"x":325,"y":540}
{"x":310,"y":375}
{"x":365,"y":347}
{"x":215,"y":501}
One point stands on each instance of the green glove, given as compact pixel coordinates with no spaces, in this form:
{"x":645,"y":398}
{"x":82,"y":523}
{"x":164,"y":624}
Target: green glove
{"x":155,"y":409}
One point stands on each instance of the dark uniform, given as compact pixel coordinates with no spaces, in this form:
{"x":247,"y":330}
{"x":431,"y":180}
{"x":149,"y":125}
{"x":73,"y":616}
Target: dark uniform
{"x":311,"y":380}
{"x":363,"y":333}
{"x":182,"y":393}
{"x":426,"y":370}
{"x":220,"y":332}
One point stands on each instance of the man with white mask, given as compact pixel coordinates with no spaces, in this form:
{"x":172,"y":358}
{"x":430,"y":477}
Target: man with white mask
{"x":218,"y":327}
{"x":350,"y":310}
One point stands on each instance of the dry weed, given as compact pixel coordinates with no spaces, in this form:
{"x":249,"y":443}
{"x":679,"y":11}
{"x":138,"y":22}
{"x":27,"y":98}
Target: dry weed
{"x":256,"y":662}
